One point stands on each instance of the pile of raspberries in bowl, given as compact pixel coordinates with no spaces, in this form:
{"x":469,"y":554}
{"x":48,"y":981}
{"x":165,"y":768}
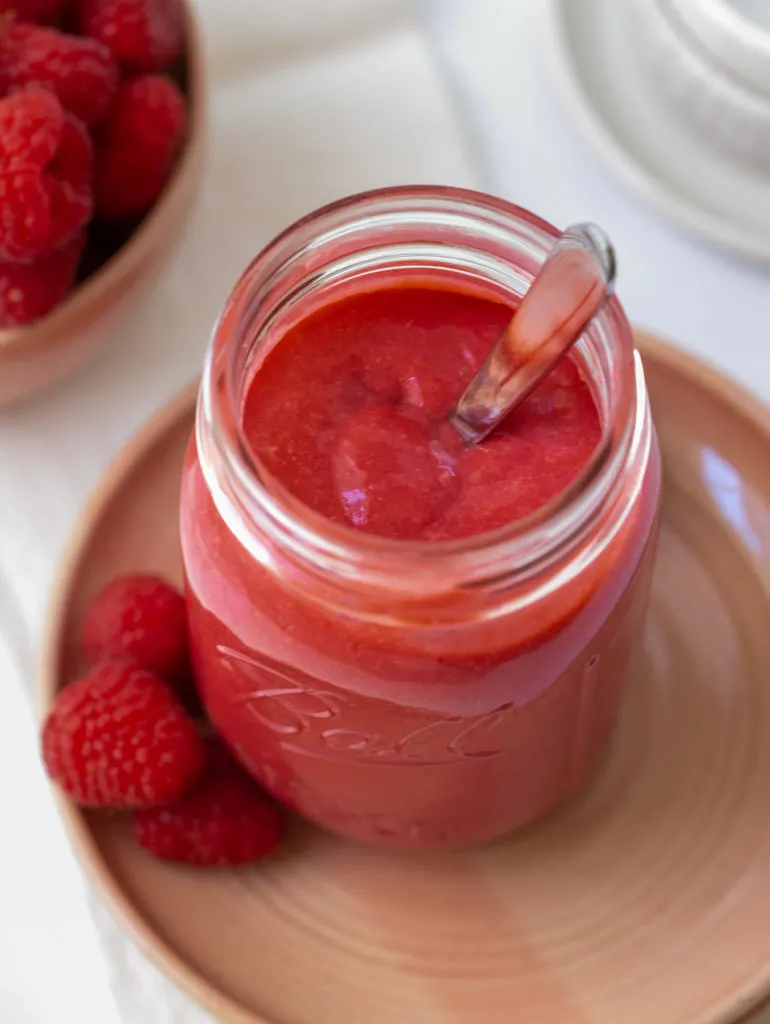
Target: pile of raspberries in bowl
{"x":94,"y":119}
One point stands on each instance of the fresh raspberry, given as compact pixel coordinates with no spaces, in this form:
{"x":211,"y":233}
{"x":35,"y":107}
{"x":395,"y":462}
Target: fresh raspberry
{"x":141,"y":618}
{"x":30,"y":290}
{"x":46,"y":170}
{"x":119,"y":738}
{"x":81,"y":72}
{"x":224,"y":821}
{"x":136,"y":146}
{"x":45,"y":12}
{"x":143,"y":35}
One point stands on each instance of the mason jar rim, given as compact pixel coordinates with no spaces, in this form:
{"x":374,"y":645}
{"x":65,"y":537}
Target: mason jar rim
{"x":304,"y":258}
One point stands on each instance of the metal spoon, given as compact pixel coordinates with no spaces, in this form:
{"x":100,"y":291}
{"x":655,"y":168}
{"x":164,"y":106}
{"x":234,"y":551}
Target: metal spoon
{"x":574,"y":283}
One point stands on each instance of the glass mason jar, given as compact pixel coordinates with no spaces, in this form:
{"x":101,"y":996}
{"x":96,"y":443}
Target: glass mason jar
{"x":401,"y":692}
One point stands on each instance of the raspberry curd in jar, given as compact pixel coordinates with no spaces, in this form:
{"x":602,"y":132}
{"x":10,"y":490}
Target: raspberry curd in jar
{"x":410,"y":641}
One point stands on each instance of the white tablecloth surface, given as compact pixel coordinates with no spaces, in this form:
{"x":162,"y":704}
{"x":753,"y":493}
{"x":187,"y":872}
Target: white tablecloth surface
{"x":310,"y":100}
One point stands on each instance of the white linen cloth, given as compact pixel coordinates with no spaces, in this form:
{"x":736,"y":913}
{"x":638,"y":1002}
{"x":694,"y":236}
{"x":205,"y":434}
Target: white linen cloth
{"x":309,"y":100}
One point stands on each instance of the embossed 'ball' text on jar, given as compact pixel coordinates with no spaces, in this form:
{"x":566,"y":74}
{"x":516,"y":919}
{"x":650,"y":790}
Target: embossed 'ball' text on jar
{"x":400,"y":692}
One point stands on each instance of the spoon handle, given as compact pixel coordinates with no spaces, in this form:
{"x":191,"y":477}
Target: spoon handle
{"x":572,"y":286}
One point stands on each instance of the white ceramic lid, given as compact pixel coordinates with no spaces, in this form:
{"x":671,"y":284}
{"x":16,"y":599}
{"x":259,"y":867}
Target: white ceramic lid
{"x":705,"y":187}
{"x":736,"y":33}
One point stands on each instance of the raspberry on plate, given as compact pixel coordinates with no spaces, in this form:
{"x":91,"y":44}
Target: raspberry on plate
{"x":81,"y":72}
{"x":143,"y":35}
{"x":46,"y":170}
{"x":142,"y":618}
{"x":137,"y":145}
{"x":119,"y":738}
{"x":30,"y":290}
{"x":42,"y":11}
{"x":225,"y":820}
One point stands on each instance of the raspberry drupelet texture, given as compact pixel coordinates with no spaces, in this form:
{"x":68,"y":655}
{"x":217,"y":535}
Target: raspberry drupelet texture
{"x":81,"y":72}
{"x":143,"y":35}
{"x":119,"y":738}
{"x":143,"y":618}
{"x":46,"y":173}
{"x":30,"y":290}
{"x":223,"y":821}
{"x":137,"y":145}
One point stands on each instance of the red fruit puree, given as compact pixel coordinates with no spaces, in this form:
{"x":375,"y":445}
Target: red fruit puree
{"x":406,"y":732}
{"x":350,"y":413}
